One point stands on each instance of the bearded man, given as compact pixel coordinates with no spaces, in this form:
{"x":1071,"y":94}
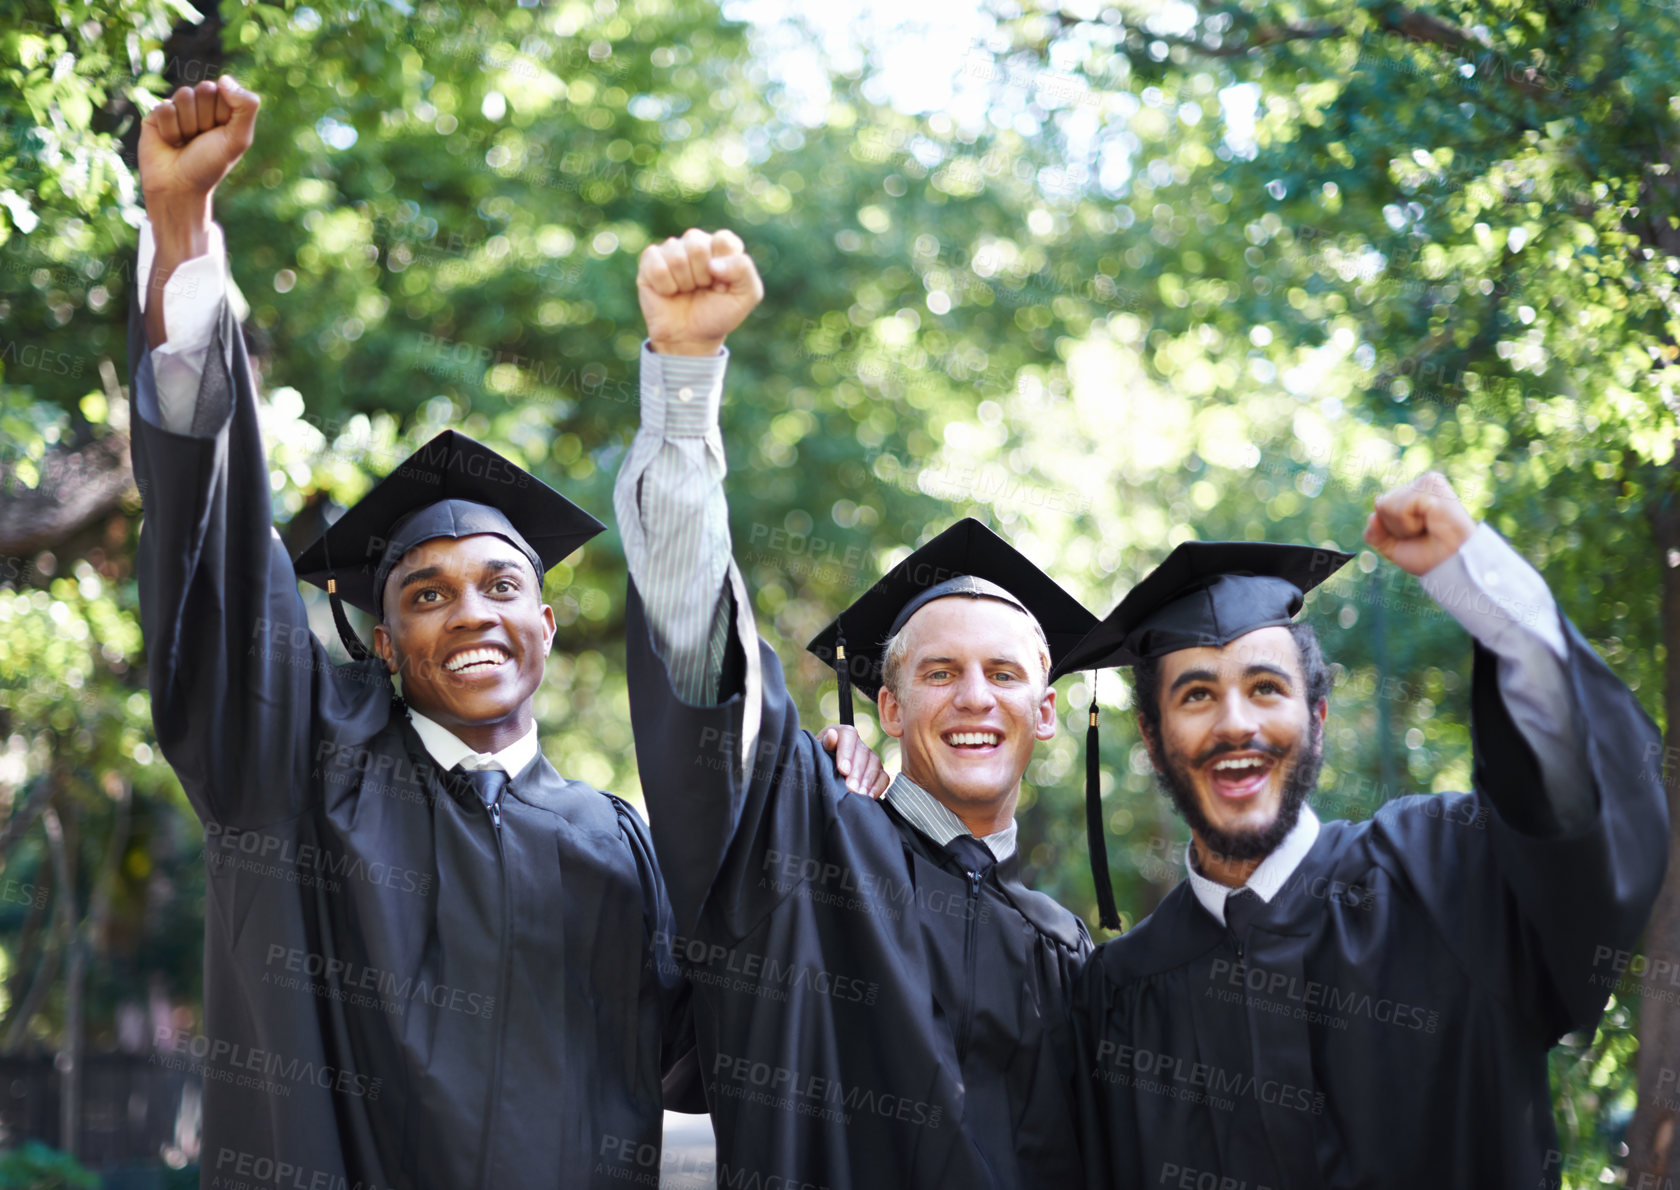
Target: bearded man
{"x":1362,"y":1004}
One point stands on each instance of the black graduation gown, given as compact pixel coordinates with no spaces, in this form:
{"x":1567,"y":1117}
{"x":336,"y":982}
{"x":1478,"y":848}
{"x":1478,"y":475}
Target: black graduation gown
{"x":1388,"y":1021}
{"x":866,"y":1016}
{"x":400,"y":989}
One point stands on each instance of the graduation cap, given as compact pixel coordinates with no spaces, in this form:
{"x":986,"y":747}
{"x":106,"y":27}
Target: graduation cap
{"x":450,"y":487}
{"x":1207,"y":593}
{"x":967,"y":559}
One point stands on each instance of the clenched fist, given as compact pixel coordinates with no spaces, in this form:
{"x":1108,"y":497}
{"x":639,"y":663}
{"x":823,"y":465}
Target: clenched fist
{"x":1419,"y":525}
{"x":695,"y":290}
{"x":190,"y":141}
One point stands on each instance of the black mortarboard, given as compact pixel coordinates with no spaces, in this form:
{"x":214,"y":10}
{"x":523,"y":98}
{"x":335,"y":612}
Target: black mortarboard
{"x":967,"y":559}
{"x":450,"y":487}
{"x":1207,"y":593}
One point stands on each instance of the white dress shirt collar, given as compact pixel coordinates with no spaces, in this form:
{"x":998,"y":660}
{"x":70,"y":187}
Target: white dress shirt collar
{"x":449,"y":752}
{"x":1266,"y":879}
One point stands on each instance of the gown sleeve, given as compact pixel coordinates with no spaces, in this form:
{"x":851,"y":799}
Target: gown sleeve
{"x":232,"y":664}
{"x":1534,"y":908}
{"x":1108,"y":1138}
{"x":732,"y":783}
{"x":1503,"y":603}
{"x":679,"y":1063}
{"x":736,"y":795}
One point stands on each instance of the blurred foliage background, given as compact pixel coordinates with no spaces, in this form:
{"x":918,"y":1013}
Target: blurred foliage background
{"x":1104,"y":276}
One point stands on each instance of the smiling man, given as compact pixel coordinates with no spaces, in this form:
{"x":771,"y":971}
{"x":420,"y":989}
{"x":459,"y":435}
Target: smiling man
{"x":965,"y":747}
{"x":1325,"y":1004}
{"x":880,"y":1002}
{"x":475,"y":685}
{"x":429,"y":959}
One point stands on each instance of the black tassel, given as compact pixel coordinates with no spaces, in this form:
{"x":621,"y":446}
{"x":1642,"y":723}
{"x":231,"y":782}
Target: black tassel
{"x":352,"y":643}
{"x":843,"y":676}
{"x":358,"y":651}
{"x":1094,"y":822}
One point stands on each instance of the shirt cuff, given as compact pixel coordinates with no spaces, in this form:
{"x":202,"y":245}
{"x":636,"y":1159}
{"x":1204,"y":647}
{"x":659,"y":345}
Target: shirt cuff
{"x":1492,"y":591}
{"x":193,"y":293}
{"x":681,"y":393}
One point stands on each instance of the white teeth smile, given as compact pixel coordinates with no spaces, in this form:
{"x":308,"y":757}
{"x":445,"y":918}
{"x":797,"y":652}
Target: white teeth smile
{"x":474,"y":659}
{"x":972,"y":738}
{"x":1239,"y":765}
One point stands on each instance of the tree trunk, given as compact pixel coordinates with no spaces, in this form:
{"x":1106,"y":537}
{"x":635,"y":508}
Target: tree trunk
{"x":1390,"y":787}
{"x":90,"y":941}
{"x":30,"y":939}
{"x":36,"y":796}
{"x":1651,"y":1138}
{"x":69,"y":1060}
{"x":64,"y":924}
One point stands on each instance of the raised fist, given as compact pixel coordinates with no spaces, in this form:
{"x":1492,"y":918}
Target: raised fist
{"x":695,"y":290}
{"x":190,"y":141}
{"x":1419,"y":525}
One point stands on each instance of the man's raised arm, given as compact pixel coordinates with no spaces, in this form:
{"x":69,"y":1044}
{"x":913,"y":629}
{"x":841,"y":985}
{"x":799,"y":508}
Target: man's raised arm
{"x":188,"y":143}
{"x":1576,"y":843}
{"x":231,"y":662}
{"x":1504,"y":604}
{"x":669,"y":497}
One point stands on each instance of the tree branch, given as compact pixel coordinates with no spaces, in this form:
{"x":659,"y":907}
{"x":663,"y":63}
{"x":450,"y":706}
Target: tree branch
{"x":77,"y":487}
{"x":1420,"y":26}
{"x":1415,"y":26}
{"x":1273,"y":35}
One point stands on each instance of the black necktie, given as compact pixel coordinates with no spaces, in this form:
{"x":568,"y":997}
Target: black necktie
{"x":487,"y":783}
{"x":1241,"y":908}
{"x":975,"y":857}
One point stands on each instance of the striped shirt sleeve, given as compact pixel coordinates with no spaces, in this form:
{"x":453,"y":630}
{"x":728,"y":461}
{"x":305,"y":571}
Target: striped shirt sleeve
{"x":674,"y":518}
{"x":1504,"y":603}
